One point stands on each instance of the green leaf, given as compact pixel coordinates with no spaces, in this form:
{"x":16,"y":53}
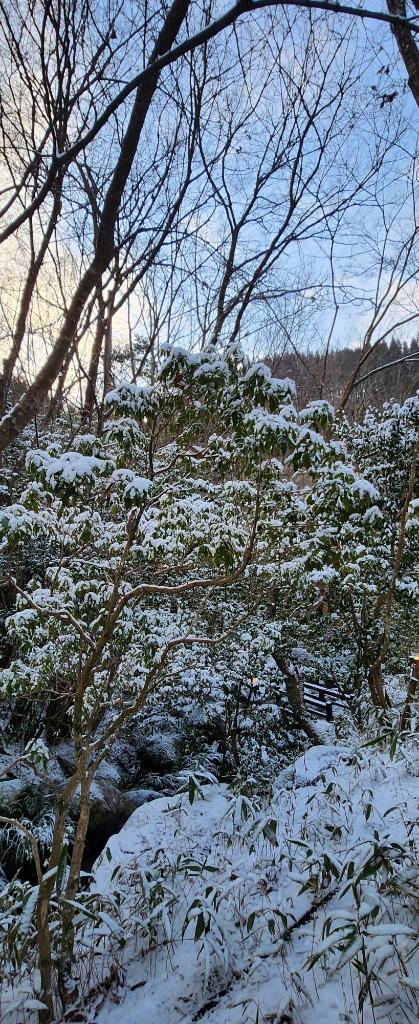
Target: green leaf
{"x":393,"y":746}
{"x":191,"y":789}
{"x":200,"y":927}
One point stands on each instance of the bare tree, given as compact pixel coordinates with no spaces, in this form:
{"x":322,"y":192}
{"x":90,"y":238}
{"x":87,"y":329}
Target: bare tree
{"x":223,"y":208}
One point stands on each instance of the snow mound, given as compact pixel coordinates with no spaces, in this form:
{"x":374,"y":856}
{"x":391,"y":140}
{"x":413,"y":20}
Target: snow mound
{"x":234,"y":909}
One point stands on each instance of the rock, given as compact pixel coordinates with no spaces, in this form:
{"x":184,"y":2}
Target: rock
{"x":161,"y":753}
{"x":110,"y":809}
{"x":126,"y":757}
{"x":23,"y":792}
{"x":11,"y":793}
{"x":143,"y":796}
{"x":141,"y":765}
{"x":108,"y":805}
{"x":63,"y":753}
{"x":109,"y":771}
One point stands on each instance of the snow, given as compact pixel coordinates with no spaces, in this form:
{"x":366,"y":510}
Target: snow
{"x":324,"y":575}
{"x":242,"y":870}
{"x":68,"y":467}
{"x":315,"y":407}
{"x":258,"y":370}
{"x":128,"y":391}
{"x":209,"y":367}
{"x":282,"y":386}
{"x":264,"y":421}
{"x":372,"y":515}
{"x":134,"y":486}
{"x":363,"y":488}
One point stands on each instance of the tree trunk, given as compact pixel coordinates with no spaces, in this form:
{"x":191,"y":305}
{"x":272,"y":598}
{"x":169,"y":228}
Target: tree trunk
{"x":107,"y":352}
{"x":43,"y":907}
{"x":91,"y":398}
{"x":295,"y":701}
{"x":408,"y":49}
{"x":376,"y":685}
{"x":72,"y":888}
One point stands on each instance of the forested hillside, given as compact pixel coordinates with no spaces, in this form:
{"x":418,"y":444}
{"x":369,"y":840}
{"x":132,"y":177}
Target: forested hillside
{"x":391,"y":373}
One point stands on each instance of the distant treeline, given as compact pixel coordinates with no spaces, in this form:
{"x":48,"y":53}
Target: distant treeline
{"x":318,"y":376}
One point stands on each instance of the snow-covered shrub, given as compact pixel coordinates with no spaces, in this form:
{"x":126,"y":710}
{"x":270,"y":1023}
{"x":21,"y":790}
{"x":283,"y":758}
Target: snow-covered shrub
{"x":347,"y":542}
{"x":142,"y":525}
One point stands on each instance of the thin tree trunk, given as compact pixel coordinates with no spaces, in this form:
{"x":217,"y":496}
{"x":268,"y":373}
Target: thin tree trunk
{"x":131,"y":342}
{"x":107,"y":361}
{"x":57,"y":398}
{"x":91,"y":398}
{"x":72,"y":887}
{"x":43,"y":907}
{"x":107,"y":352}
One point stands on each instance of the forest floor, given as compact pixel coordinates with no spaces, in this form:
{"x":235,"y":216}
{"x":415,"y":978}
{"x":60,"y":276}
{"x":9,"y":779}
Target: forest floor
{"x":216,"y":908}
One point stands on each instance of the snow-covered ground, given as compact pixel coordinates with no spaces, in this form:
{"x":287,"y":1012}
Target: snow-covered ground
{"x":216,"y":908}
